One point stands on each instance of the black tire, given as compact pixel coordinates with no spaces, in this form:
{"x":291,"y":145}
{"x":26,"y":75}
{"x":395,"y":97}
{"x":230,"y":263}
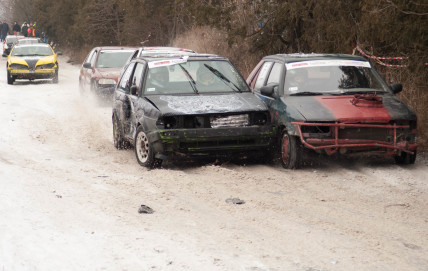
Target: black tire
{"x":119,"y":142}
{"x":405,"y":158}
{"x":10,"y":79}
{"x":291,"y":151}
{"x":144,"y":151}
{"x":55,"y":79}
{"x":94,"y":87}
{"x":81,"y":89}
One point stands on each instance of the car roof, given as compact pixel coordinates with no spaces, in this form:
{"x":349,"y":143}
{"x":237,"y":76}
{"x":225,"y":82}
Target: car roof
{"x":24,"y":39}
{"x":15,"y":36}
{"x":165,"y":48}
{"x":102,"y":48}
{"x":193,"y":56}
{"x":288,"y":58}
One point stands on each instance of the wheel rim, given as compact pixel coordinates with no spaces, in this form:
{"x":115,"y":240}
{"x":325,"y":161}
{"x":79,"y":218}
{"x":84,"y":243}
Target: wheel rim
{"x":284,"y":154}
{"x":142,"y":147}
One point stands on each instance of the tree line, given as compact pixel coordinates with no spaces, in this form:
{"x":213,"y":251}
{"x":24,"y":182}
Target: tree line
{"x":386,"y":27}
{"x":393,"y":28}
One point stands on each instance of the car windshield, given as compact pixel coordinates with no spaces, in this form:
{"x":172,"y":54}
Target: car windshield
{"x":113,"y":58}
{"x":332,"y":77}
{"x":179,"y":76}
{"x":29,"y":41}
{"x":32,"y":51}
{"x":11,"y":40}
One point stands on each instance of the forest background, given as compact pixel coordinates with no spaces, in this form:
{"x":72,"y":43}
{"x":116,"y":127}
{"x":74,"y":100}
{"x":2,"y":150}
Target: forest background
{"x":246,"y":30}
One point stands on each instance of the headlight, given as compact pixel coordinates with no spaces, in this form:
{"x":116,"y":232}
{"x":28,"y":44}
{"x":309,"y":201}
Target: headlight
{"x":46,"y":66}
{"x":18,"y":67}
{"x":105,"y":81}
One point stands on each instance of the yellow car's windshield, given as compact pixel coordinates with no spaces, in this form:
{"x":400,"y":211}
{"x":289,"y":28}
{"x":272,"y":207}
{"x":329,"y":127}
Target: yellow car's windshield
{"x":35,"y":50}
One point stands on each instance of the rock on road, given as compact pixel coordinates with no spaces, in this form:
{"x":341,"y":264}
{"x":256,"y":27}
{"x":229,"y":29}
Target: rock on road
{"x":69,"y":201}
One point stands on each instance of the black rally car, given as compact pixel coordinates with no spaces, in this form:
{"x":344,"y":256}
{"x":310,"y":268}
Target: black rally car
{"x":187,"y":105}
{"x":333,"y":104}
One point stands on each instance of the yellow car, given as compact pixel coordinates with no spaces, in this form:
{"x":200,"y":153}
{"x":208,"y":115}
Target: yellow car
{"x":32,"y":61}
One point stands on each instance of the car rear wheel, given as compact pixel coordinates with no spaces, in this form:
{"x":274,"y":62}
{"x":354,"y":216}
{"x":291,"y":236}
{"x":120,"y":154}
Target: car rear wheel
{"x":119,"y":142}
{"x":10,"y":78}
{"x":144,"y":151}
{"x":291,"y":151}
{"x":405,"y":158}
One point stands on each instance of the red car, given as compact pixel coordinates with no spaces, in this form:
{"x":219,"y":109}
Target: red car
{"x":100,"y":70}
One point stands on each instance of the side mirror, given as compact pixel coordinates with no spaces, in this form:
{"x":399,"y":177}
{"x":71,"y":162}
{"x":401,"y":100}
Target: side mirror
{"x":59,"y":53}
{"x":396,"y":88}
{"x":87,"y":65}
{"x":134,"y":90}
{"x":268,"y":90}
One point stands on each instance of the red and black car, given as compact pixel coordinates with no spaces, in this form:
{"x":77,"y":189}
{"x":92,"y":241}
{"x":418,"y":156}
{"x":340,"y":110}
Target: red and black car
{"x":333,"y":104}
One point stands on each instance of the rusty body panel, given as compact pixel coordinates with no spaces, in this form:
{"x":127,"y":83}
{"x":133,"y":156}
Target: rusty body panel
{"x":188,"y":106}
{"x":343,"y":106}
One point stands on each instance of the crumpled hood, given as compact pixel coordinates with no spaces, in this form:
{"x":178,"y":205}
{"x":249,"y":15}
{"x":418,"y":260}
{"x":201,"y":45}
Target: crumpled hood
{"x":31,"y":61}
{"x":341,"y":109}
{"x":207,"y":103}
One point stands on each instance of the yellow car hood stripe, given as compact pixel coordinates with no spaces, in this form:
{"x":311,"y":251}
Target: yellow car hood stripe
{"x":46,"y":60}
{"x":17,"y":60}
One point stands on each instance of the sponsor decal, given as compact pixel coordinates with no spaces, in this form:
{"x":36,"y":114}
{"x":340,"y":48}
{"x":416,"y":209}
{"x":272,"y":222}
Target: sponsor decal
{"x":169,"y":62}
{"x":323,"y":63}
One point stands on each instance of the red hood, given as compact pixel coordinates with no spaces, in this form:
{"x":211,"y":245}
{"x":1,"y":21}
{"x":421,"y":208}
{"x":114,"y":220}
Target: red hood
{"x":112,"y":73}
{"x":348,"y":109}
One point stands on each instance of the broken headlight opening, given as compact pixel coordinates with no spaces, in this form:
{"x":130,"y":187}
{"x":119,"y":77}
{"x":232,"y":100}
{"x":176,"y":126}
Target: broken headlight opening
{"x":260,"y":118}
{"x":230,"y":121}
{"x":18,"y":67}
{"x":106,"y":81}
{"x":167,"y":123}
{"x":46,"y":66}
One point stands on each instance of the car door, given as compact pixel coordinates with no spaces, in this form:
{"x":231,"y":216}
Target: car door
{"x":270,"y":73}
{"x":133,"y":100}
{"x":122,"y":108}
{"x":87,"y":69}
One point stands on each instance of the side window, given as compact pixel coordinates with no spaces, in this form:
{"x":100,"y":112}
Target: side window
{"x":89,"y":57}
{"x":136,"y":78}
{"x":261,"y":78}
{"x":275,"y":74}
{"x":251,"y":79}
{"x":124,"y":83}
{"x":94,"y":56}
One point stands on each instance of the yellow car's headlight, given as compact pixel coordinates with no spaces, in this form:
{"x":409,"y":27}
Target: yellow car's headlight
{"x":46,"y":66}
{"x":18,"y":67}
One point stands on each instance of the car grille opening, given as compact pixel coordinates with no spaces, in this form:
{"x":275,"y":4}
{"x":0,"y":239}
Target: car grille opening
{"x":230,"y":121}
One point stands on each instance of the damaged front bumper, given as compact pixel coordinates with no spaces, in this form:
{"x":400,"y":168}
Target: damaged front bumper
{"x":212,"y":140}
{"x":343,"y":137}
{"x":33,"y":74}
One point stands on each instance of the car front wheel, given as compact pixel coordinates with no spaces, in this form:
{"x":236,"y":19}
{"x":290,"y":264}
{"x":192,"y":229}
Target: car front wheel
{"x":55,"y":79}
{"x":119,"y":142}
{"x":405,"y":158}
{"x":291,"y":151}
{"x":144,"y":151}
{"x":10,"y":79}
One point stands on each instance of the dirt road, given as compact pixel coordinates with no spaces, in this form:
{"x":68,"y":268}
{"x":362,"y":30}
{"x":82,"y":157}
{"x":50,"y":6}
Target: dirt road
{"x":69,"y":201}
